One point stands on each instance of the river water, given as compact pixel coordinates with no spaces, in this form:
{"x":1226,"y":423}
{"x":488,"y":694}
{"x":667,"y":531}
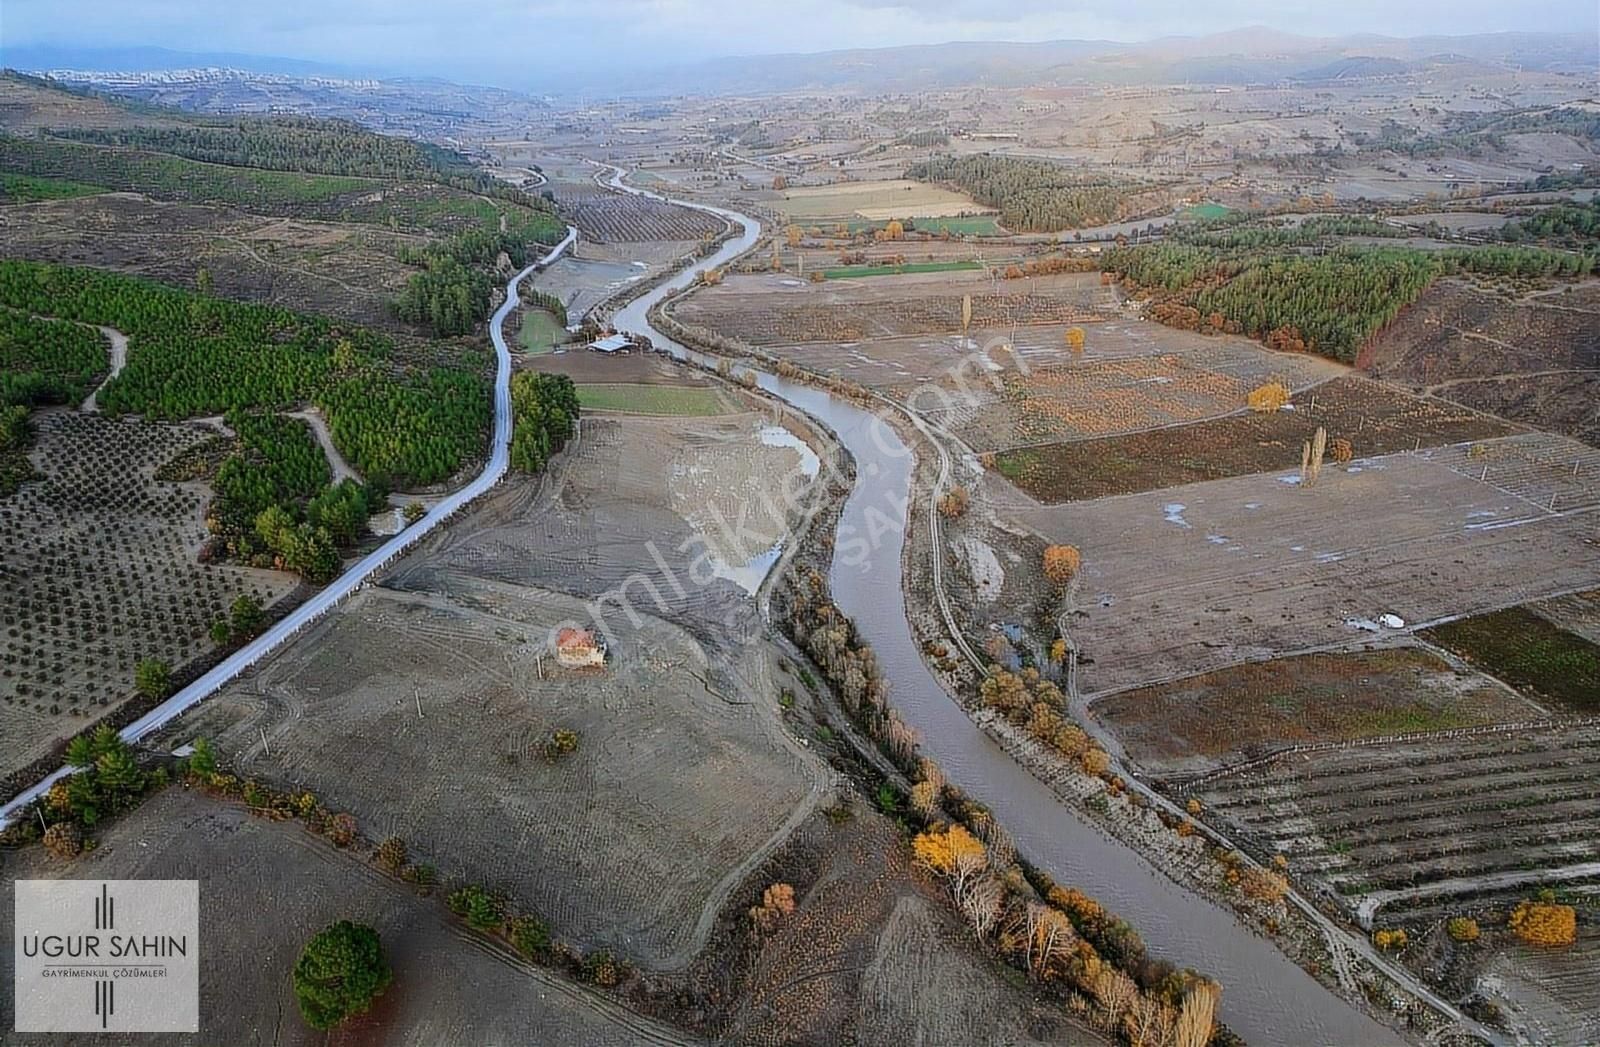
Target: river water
{"x":1266,"y":998}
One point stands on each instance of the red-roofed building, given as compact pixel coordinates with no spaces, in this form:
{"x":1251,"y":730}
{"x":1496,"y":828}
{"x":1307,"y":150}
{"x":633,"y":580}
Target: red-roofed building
{"x":579,"y":648}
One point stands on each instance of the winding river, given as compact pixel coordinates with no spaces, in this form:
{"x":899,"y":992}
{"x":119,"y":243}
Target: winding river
{"x":1266,"y":998}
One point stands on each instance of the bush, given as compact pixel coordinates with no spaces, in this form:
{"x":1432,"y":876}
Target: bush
{"x":562,"y":742}
{"x":477,"y":906}
{"x":339,"y":973}
{"x":1462,"y":929}
{"x":777,"y":901}
{"x":1545,"y":923}
{"x":152,"y":677}
{"x":529,"y":935}
{"x":342,"y":830}
{"x":64,"y":841}
{"x":391,"y":854}
{"x":1061,"y":562}
{"x":1390,"y":941}
{"x":1265,"y":399}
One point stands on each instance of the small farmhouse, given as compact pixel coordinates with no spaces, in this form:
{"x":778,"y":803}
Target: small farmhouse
{"x":616,"y":343}
{"x":579,"y":649}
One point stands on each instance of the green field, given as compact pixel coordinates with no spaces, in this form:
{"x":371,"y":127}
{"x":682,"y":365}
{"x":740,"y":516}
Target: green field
{"x":24,"y":189}
{"x":635,"y":398}
{"x":973,"y":225}
{"x":1529,"y":652}
{"x":851,"y":272}
{"x":1204,"y":212}
{"x":540,"y":332}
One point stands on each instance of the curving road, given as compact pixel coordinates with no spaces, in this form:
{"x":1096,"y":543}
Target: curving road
{"x":354,"y":578}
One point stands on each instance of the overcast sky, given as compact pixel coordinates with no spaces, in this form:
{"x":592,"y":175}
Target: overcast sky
{"x":517,"y":42}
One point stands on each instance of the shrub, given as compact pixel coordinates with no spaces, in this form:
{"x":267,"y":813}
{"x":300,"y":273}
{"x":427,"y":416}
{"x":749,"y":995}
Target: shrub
{"x":203,"y":760}
{"x":64,"y":841}
{"x":342,"y":830}
{"x":477,"y":906}
{"x":1545,"y":923}
{"x":339,"y":973}
{"x":1390,"y":941}
{"x":602,"y":969}
{"x":1267,"y":398}
{"x":391,"y":854}
{"x":777,"y":901}
{"x":413,"y":512}
{"x":529,"y":935}
{"x":955,"y":503}
{"x":1061,"y":562}
{"x":152,"y":677}
{"x":1462,"y":929}
{"x":562,"y":741}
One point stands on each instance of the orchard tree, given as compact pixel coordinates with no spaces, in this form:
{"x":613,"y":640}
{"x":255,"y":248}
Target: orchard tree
{"x":341,"y":971}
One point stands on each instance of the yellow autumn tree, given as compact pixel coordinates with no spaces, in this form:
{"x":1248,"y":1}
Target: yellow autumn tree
{"x":794,"y":234}
{"x":1061,"y":562}
{"x":1545,"y":923}
{"x":1075,"y":339}
{"x":895,"y":230}
{"x":1267,"y":398}
{"x":925,"y":798}
{"x":955,"y":854}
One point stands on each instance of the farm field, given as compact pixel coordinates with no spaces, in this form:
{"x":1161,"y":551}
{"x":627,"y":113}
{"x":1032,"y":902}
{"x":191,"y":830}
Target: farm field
{"x":608,"y":217}
{"x":776,"y":310}
{"x":875,"y":201}
{"x":1530,"y":652}
{"x":539,"y":332}
{"x":1532,"y":359}
{"x":101,"y":570}
{"x":339,"y":270}
{"x":1190,"y":579}
{"x":1100,"y":397}
{"x":1402,"y":831}
{"x":631,"y":398}
{"x":1548,"y":993}
{"x":851,"y":272}
{"x":667,"y":765}
{"x":1376,"y":419}
{"x":249,"y":865}
{"x":1202,"y":722}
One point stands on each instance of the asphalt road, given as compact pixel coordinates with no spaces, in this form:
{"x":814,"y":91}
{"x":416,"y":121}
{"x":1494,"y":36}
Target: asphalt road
{"x":354,"y":578}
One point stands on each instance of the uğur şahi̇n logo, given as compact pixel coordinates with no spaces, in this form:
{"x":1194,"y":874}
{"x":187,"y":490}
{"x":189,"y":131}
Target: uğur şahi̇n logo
{"x":107,"y":956}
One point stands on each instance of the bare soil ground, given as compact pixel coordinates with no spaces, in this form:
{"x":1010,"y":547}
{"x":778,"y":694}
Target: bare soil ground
{"x":871,"y":955}
{"x":1397,"y":830}
{"x":1201,"y":722}
{"x":597,"y":841}
{"x":1548,"y":994}
{"x":1377,"y":419}
{"x":100,"y":570}
{"x":339,"y":270}
{"x":776,"y":309}
{"x":1533,"y":359}
{"x":1188,"y":579}
{"x":267,"y":887}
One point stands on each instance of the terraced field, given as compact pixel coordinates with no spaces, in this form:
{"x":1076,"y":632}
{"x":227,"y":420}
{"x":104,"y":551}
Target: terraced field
{"x":1407,"y":831}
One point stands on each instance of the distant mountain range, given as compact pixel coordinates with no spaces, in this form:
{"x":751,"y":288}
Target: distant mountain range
{"x":1231,"y":58}
{"x":1255,"y":55}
